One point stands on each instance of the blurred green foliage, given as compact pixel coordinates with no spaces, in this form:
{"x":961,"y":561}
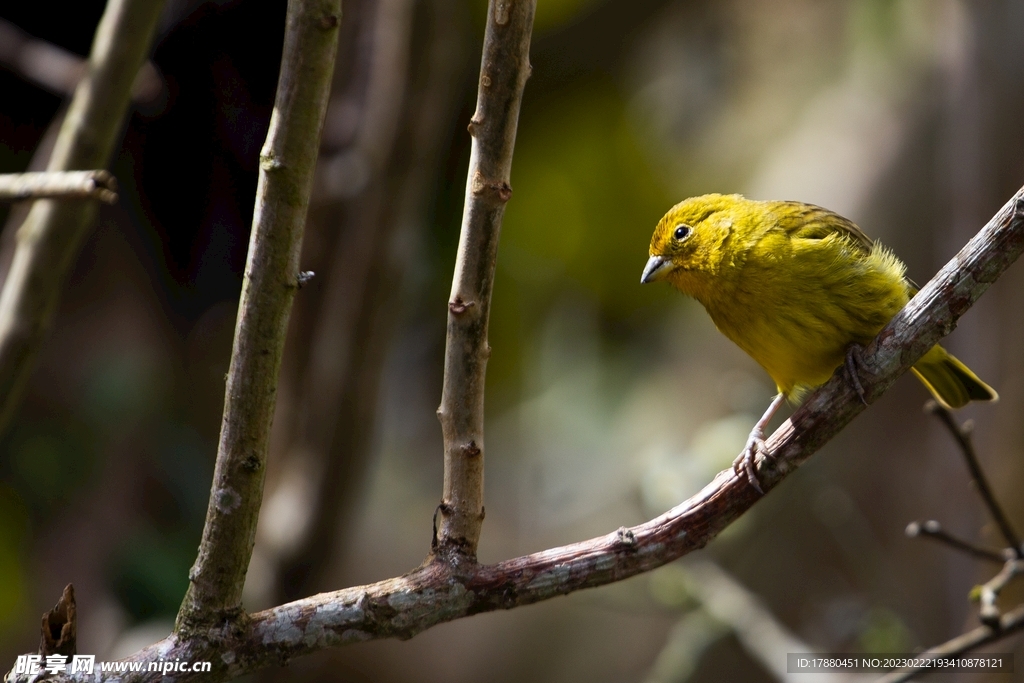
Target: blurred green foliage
{"x":550,"y":15}
{"x":149,"y":573}
{"x":885,"y":632}
{"x":584,"y":205}
{"x":150,"y":565}
{"x":14,"y":548}
{"x":48,"y":461}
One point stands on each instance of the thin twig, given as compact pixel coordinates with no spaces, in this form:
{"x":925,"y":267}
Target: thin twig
{"x":335,"y":406}
{"x":933,"y":530}
{"x":438,"y":592}
{"x":99,"y":185}
{"x":963,"y":439}
{"x":989,"y":591}
{"x":287,"y":162}
{"x":1010,"y":623}
{"x":503,"y":72}
{"x":53,"y":232}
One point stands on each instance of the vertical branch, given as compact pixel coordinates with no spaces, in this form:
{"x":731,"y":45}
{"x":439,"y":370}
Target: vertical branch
{"x":503,"y":72}
{"x":53,"y":232}
{"x":287,"y":161}
{"x":336,"y":408}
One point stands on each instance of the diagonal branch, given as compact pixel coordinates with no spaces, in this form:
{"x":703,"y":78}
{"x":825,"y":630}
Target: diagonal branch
{"x":53,"y":232}
{"x":1009,"y":623}
{"x":503,"y":72}
{"x":933,"y":530}
{"x":287,"y":162}
{"x":435,"y":592}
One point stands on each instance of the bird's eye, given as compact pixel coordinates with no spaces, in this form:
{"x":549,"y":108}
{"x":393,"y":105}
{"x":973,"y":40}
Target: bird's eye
{"x":682,"y":232}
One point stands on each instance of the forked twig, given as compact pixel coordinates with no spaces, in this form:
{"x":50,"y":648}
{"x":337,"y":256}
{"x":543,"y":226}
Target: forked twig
{"x":434,"y":593}
{"x":438,"y":591}
{"x":989,"y":591}
{"x":53,"y":232}
{"x":962,"y":435}
{"x":995,"y":625}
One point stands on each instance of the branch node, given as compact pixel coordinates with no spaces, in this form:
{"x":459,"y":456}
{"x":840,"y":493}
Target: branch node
{"x":457,"y":306}
{"x":269,"y":161}
{"x":485,"y":81}
{"x":501,"y":12}
{"x":625,"y":537}
{"x":329,"y":21}
{"x":471,"y":449}
{"x":501,"y":189}
{"x":303,"y":277}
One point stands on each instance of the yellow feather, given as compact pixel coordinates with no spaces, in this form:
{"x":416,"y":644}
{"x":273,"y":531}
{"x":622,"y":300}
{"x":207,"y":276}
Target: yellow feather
{"x":794,"y":285}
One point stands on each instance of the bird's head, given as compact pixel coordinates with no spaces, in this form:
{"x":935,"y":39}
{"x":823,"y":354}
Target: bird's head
{"x":688,"y":246}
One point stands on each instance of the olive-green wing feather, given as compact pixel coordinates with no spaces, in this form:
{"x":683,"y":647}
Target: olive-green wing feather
{"x":950,"y":381}
{"x":811,"y":222}
{"x":814,"y":223}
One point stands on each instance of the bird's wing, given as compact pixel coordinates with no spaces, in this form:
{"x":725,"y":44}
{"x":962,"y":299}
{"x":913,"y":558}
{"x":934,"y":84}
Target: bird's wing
{"x":812,"y":222}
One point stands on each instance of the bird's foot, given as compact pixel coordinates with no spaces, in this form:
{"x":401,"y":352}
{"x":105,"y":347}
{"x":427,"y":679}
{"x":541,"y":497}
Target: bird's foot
{"x":744,"y":464}
{"x":854,"y":362}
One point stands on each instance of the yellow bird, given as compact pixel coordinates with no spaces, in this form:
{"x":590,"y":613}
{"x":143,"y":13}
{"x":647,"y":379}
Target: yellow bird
{"x":799,"y":288}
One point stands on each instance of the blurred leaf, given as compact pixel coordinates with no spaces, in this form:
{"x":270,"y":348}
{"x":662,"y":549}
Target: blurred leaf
{"x":120,"y":390}
{"x":150,"y":572}
{"x":585,"y":203}
{"x":49,"y":460}
{"x":13,"y":532}
{"x":884,"y":632}
{"x":551,"y":14}
{"x":186,"y":468}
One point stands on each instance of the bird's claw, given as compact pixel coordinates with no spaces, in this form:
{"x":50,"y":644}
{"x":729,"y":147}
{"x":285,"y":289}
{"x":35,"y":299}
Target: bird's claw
{"x":744,"y":464}
{"x":853,"y":362}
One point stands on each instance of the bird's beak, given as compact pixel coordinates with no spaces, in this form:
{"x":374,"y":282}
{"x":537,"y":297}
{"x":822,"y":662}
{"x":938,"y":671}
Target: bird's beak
{"x":655,"y":269}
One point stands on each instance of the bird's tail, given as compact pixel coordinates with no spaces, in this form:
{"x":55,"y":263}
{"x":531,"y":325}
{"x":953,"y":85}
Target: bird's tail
{"x":951,"y":382}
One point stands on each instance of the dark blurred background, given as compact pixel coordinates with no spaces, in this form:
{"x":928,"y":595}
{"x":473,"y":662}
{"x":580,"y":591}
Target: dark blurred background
{"x":607,"y":402}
